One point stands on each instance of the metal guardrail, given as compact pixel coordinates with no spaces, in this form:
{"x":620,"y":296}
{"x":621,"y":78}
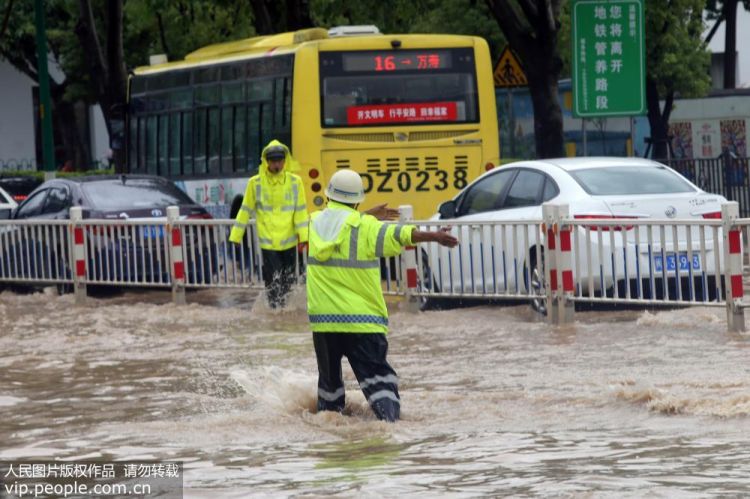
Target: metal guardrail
{"x":74,"y":253}
{"x":558,"y":261}
{"x":727,"y":175}
{"x":552,"y":263}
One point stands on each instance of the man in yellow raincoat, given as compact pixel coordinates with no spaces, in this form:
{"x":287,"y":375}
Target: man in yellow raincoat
{"x":275,"y":197}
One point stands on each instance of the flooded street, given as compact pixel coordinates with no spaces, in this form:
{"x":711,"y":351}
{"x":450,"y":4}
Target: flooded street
{"x":494,"y":402}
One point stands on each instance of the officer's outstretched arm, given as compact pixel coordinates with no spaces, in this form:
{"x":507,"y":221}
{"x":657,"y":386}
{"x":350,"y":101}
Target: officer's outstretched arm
{"x":443,"y":237}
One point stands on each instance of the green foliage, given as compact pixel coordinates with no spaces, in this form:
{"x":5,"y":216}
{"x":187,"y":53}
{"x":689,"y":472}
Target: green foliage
{"x":22,"y":173}
{"x":185,"y":26}
{"x":676,"y":57}
{"x":40,"y":174}
{"x":18,"y":45}
{"x":464,"y":17}
{"x":62,"y":16}
{"x":176,"y":27}
{"x":86,"y":173}
{"x":564,"y":40}
{"x":390,"y":16}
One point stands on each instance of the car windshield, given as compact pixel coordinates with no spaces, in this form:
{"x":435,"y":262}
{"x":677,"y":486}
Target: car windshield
{"x":133,"y":193}
{"x":630,"y":180}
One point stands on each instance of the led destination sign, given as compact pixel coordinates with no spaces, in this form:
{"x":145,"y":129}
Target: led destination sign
{"x":397,"y":61}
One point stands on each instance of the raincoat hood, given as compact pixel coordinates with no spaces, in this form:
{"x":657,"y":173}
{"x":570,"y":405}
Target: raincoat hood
{"x":328,"y":234}
{"x":290,"y":164}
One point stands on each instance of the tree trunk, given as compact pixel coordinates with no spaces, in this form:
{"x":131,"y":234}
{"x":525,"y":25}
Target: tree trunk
{"x":66,"y":122}
{"x":262,"y":21}
{"x":108,"y":75}
{"x":730,"y":43}
{"x":658,"y":120}
{"x":298,"y":14}
{"x":548,"y":122}
{"x":534,"y":39}
{"x":117,"y":83}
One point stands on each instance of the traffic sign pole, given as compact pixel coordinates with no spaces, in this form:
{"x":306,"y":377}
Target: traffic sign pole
{"x":45,"y":105}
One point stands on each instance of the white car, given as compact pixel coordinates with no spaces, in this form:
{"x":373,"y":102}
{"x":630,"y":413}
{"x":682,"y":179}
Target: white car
{"x":499,"y":254}
{"x":6,"y":204}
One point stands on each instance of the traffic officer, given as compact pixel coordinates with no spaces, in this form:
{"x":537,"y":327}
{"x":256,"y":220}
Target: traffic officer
{"x":275,"y":197}
{"x":345,"y":301}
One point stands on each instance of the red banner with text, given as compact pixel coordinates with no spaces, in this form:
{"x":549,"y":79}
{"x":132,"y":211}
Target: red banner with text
{"x":402,"y":113}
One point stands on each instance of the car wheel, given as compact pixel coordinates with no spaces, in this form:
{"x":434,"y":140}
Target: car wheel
{"x":427,"y":284}
{"x":535,"y":282}
{"x":63,"y":272}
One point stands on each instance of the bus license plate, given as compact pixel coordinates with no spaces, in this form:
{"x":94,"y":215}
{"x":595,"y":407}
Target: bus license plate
{"x":672,"y":262}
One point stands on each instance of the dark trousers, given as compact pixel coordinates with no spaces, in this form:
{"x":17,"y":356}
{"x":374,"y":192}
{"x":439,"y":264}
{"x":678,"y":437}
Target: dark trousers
{"x":278,"y":274}
{"x":366,"y":353}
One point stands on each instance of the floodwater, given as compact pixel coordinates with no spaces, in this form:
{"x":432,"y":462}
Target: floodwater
{"x":494,"y":401}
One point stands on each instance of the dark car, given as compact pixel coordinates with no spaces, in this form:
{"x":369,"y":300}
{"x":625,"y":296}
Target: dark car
{"x":19,"y":187}
{"x":130,"y":254}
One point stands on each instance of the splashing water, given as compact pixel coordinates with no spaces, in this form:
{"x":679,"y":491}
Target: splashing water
{"x":494,"y":403}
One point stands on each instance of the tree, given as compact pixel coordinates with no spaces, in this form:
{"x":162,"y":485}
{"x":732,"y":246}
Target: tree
{"x":532,"y":27}
{"x":726,"y":10}
{"x":461,"y":17}
{"x":676,"y":62}
{"x":18,"y":47}
{"x":172,"y":27}
{"x":106,"y":59}
{"x":271,"y":16}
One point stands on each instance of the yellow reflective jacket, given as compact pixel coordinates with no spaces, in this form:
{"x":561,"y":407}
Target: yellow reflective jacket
{"x":343,"y":273}
{"x":278,"y":204}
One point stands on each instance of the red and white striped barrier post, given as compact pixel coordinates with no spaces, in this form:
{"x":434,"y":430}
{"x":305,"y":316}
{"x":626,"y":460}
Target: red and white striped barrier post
{"x":175,"y":253}
{"x":733,"y":267}
{"x":549,"y":229}
{"x":565,"y":264}
{"x":78,"y":254}
{"x":409,"y":263}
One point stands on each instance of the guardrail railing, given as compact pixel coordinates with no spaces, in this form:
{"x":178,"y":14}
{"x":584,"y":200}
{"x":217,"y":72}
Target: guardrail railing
{"x":552,"y":263}
{"x":557,"y":261}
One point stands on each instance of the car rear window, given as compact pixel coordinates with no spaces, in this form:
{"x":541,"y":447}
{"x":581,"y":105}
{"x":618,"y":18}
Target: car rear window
{"x":133,"y":193}
{"x":630,"y":180}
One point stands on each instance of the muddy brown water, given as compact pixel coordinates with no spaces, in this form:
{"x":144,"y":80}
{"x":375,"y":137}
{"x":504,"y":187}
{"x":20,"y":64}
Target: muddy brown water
{"x":495,"y":402}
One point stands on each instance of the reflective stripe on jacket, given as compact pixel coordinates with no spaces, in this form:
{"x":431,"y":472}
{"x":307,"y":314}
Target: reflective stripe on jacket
{"x":343,"y":274}
{"x":278,"y":204}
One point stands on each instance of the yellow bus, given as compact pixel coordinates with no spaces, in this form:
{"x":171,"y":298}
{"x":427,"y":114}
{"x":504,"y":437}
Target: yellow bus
{"x":414,"y":114}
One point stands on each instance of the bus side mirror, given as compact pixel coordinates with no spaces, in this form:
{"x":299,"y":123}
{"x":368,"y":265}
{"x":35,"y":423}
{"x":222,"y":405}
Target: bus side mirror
{"x":447,"y":210}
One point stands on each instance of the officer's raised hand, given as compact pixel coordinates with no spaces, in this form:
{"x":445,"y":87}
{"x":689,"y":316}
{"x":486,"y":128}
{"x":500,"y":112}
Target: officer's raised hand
{"x":382,"y":212}
{"x":443,"y":237}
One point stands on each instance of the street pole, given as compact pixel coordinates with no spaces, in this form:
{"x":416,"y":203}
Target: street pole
{"x":511,"y":124}
{"x":45,"y":106}
{"x":583,"y":132}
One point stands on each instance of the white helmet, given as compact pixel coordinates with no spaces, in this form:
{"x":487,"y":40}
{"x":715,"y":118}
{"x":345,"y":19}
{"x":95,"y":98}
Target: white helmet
{"x":346,"y":187}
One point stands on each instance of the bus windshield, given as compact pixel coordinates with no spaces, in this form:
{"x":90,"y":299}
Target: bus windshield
{"x":371,"y":88}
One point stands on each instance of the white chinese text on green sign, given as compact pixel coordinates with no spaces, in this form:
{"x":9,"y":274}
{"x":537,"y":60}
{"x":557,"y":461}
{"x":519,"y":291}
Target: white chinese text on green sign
{"x":608,"y":58}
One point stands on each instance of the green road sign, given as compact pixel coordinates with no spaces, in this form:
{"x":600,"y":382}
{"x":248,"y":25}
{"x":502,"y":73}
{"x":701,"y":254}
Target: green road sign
{"x":609,"y":67}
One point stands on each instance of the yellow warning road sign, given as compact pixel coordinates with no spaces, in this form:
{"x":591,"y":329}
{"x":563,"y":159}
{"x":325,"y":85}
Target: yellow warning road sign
{"x":508,"y":72}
